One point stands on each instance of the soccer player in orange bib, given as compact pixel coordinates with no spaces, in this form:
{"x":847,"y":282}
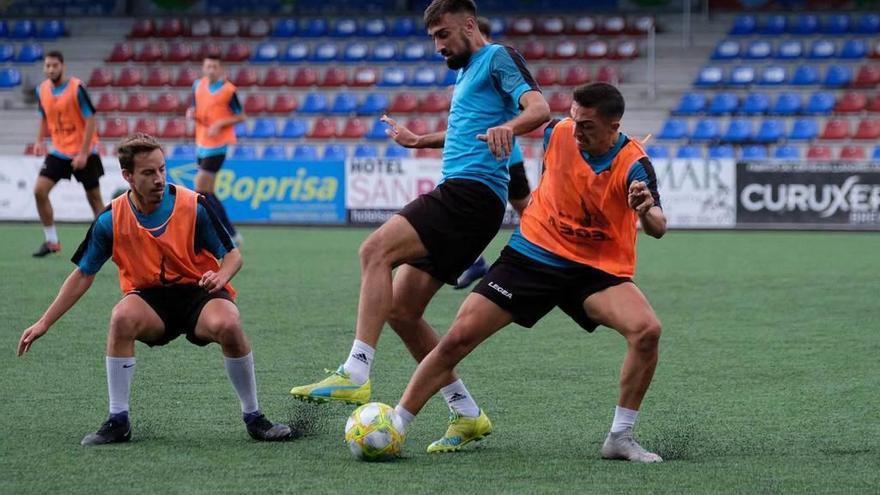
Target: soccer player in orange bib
{"x":166,"y":242}
{"x":68,"y":117}
{"x":575,"y":249}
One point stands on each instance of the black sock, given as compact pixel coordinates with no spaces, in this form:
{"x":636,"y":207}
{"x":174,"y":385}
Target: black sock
{"x":220,"y":211}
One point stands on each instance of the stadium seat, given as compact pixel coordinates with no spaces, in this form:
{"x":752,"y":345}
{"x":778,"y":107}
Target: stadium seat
{"x":265,"y":53}
{"x":743,"y":75}
{"x":200,"y":28}
{"x":689,"y":152}
{"x":237,"y":52}
{"x":404,"y":103}
{"x":576,"y":76}
{"x":608,"y":74}
{"x":739,"y":130}
{"x":835,"y":129}
{"x":173,"y":129}
{"x":166,"y":103}
{"x":787,"y":103}
{"x":819,"y":152}
{"x":424,"y":77}
{"x":691,"y":103}
{"x":240,"y":129}
{"x":115,"y":128}
{"x":868,"y":24}
{"x":364,"y":77}
{"x":868,"y":129}
{"x":255,"y":103}
{"x":534,"y":50}
{"x":246,"y":77}
{"x":353,"y":129}
{"x":396,"y":151}
{"x":293,"y":129}
{"x":723,"y":103}
{"x":51,"y":30}
{"x":392,"y":77}
{"x":7,"y":52}
{"x":851,"y":102}
{"x":170,"y":28}
{"x":227,"y":28}
{"x":344,"y":103}
{"x":366,"y":151}
{"x":868,"y":76}
{"x":774,"y":25}
{"x":550,"y":26}
{"x":770,"y":131}
{"x":413,"y":52}
{"x":136,"y":102}
{"x":583,"y":26}
{"x":184,"y":152}
{"x":275,"y":77}
{"x":355,"y":52}
{"x":876,"y":154}
{"x":9,"y":78}
{"x":142,"y":28}
{"x":149,"y":52}
{"x":673,"y":129}
{"x":755,"y":103}
{"x":305,"y":152}
{"x":314,"y":103}
{"x":374,"y":28}
{"x":640,"y":25}
{"x":147,"y":126}
{"x":258,"y":28}
{"x":787,"y":152}
{"x":207,"y":49}
{"x":157,"y":77}
{"x":805,"y":25}
{"x":275,"y":152}
{"x":244,"y":152}
{"x":790,"y":50}
{"x":822,"y":50}
{"x":29,"y":53}
{"x":547,"y":76}
{"x":403,"y":27}
{"x":726,"y":50}
{"x":343,"y":28}
{"x":23,"y":29}
{"x":656,"y":151}
{"x":820,"y":102}
{"x":744,"y":25}
{"x":568,"y":50}
{"x":305,"y":77}
{"x":754,"y":152}
{"x":334,"y":77}
{"x":295,"y":52}
{"x":100,"y":78}
{"x":323,"y":128}
{"x":186,"y":76}
{"x":377,"y":131}
{"x":523,"y":26}
{"x":853,"y":152}
{"x":722,"y":151}
{"x":805,"y":75}
{"x":383,"y":52}
{"x":804,"y":130}
{"x":595,"y":50}
{"x":284,"y":103}
{"x":178,"y":52}
{"x":449,"y":79}
{"x":335,"y":152}
{"x":325,"y":52}
{"x":443,"y":124}
{"x":434,"y":103}
{"x":854,"y":49}
{"x":706,"y":130}
{"x":772,"y":75}
{"x":874,"y":104}
{"x":263,"y":128}
{"x":373,"y":104}
{"x":612,"y":26}
{"x":709,"y":77}
{"x":418,"y":126}
{"x":285,"y":28}
{"x":560,"y":102}
{"x":837,"y":76}
{"x":758,"y":50}
{"x":108,"y":102}
{"x":836,"y":24}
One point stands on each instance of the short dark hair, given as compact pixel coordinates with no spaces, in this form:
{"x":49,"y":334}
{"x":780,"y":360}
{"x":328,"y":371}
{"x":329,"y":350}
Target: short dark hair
{"x":134,"y":145}
{"x":55,"y":54}
{"x":485,"y":26}
{"x":440,"y":7}
{"x":604,"y":97}
{"x":212,"y":56}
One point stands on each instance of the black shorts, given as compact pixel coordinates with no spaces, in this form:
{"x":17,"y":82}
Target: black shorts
{"x":528,"y":290}
{"x":212,"y":163}
{"x":455,"y":222}
{"x":55,"y":168}
{"x":519,"y":183}
{"x":179,"y":307}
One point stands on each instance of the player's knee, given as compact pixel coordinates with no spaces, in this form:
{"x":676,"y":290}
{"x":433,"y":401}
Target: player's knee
{"x":125,"y":323}
{"x":371,"y":251}
{"x":41,"y":194}
{"x":646,"y":336}
{"x":225,"y":331}
{"x":458,"y":342}
{"x":403,"y":318}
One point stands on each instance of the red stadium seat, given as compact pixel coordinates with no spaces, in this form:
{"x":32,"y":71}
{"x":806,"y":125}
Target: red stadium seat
{"x":128,"y":77}
{"x":442,"y":124}
{"x":874,"y":103}
{"x":640,"y":26}
{"x":612,"y":26}
{"x":237,"y":52}
{"x":245,"y":77}
{"x":534,"y":50}
{"x":166,"y":103}
{"x":819,"y":152}
{"x":547,"y":76}
{"x":304,"y":78}
{"x":418,"y":126}
{"x":560,"y":102}
{"x":258,"y":28}
{"x":179,"y":52}
{"x":115,"y":128}
{"x":625,"y":50}
{"x":596,"y":50}
{"x":136,"y":102}
{"x":852,"y":152}
{"x":284,"y":103}
{"x":170,"y":28}
{"x":404,"y":103}
{"x":565,"y":50}
{"x":576,"y":75}
{"x":835,"y":129}
{"x":428,"y":153}
{"x":147,"y":126}
{"x":142,"y":28}
{"x":174,"y":129}
{"x":867,"y":77}
{"x":186,"y":76}
{"x":108,"y":102}
{"x":851,"y":102}
{"x":256,"y":103}
{"x":364,"y":77}
{"x":275,"y":77}
{"x":874,"y":51}
{"x":583,"y":26}
{"x":868,"y":129}
{"x":523,"y":26}
{"x":158,"y":77}
{"x":150,"y":52}
{"x":537,"y":133}
{"x":324,"y":128}
{"x":122,"y":52}
{"x":608,"y":74}
{"x":334,"y":77}
{"x":354,"y":129}
{"x":101,"y":78}
{"x":207,"y":49}
{"x":434,"y":103}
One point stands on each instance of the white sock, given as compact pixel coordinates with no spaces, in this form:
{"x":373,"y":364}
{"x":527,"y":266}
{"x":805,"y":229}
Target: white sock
{"x":120,"y":370}
{"x":241,"y":374}
{"x":50,"y":233}
{"x":359,"y":361}
{"x":459,"y":399}
{"x":623,"y":419}
{"x":405,"y":416}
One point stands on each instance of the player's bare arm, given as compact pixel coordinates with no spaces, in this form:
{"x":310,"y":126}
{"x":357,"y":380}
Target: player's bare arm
{"x":218,"y":126}
{"x":535,"y":112}
{"x":79,"y":161}
{"x":40,"y":143}
{"x":214,"y":281}
{"x":408,"y":139}
{"x":74,"y":287}
{"x":642,"y":201}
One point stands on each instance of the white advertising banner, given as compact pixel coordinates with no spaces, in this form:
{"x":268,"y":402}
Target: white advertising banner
{"x":697,"y":193}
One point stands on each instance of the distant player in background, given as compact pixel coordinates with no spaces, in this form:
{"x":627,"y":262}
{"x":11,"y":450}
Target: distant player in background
{"x":68,"y":117}
{"x":517,"y":193}
{"x":168,"y":245}
{"x":216,"y":110}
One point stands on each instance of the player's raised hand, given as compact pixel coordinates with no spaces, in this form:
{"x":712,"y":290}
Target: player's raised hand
{"x":79,"y":161}
{"x":400,"y":134}
{"x":39,"y":149}
{"x":640,"y":197}
{"x":28,"y":337}
{"x":499,"y":139}
{"x":212,"y":282}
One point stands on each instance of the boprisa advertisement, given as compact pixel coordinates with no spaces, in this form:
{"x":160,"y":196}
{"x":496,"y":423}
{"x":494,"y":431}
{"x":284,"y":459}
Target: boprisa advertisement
{"x":270,"y":191}
{"x":823,"y":194}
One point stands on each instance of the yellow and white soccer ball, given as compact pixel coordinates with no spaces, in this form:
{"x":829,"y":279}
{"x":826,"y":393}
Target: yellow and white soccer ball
{"x":373,"y":433}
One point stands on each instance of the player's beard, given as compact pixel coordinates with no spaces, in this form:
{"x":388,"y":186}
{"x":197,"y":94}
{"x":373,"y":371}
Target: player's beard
{"x":456,"y":62}
{"x":57,"y":79}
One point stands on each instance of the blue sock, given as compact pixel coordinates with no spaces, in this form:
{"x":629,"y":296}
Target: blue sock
{"x":120,"y":417}
{"x":250,"y":417}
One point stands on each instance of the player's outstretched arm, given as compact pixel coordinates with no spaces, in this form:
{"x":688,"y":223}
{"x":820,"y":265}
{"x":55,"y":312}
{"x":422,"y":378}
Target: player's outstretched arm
{"x":408,"y":139}
{"x":231,"y":264}
{"x":74,"y":287}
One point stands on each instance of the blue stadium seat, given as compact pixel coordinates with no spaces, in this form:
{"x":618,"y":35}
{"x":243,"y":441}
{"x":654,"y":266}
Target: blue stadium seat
{"x":706,"y":130}
{"x":296,"y":52}
{"x":305,"y":152}
{"x":294,"y":129}
{"x":4,"y":28}
{"x":723,"y":103}
{"x":691,"y":104}
{"x":424,"y":77}
{"x":241,"y":129}
{"x":396,"y":151}
{"x":657,"y":151}
{"x":709,"y":76}
{"x":392,"y":77}
{"x":744,"y":25}
{"x":868,"y":24}
{"x":754,"y":152}
{"x":805,"y":75}
{"x":837,"y":76}
{"x":755,"y":103}
{"x":790,"y":50}
{"x":265,"y":52}
{"x":403,"y":27}
{"x":29,"y":53}
{"x":344,"y":103}
{"x":805,"y":25}
{"x":384,"y":52}
{"x":759,"y":50}
{"x":819,"y":103}
{"x":739,"y":130}
{"x":355,"y":52}
{"x":673,"y":129}
{"x":836,"y":24}
{"x":689,"y":152}
{"x":263,"y":128}
{"x":773,"y":25}
{"x":722,"y":151}
{"x":314,"y":28}
{"x":804,"y":130}
{"x":374,"y":28}
{"x":876,"y":154}
{"x":314,"y":102}
{"x":51,"y":30}
{"x":787,"y":103}
{"x":726,"y":50}
{"x":449,"y":79}
{"x":184,"y":152}
{"x":366,"y":151}
{"x":244,"y":152}
{"x":7,"y":52}
{"x":772,"y":75}
{"x":854,"y":49}
{"x":335,"y":152}
{"x":374,"y":103}
{"x":414,"y":52}
{"x":787,"y":152}
{"x":770,"y":131}
{"x":275,"y":152}
{"x":325,"y":52}
{"x":822,"y":49}
{"x":23,"y":29}
{"x":285,"y":28}
{"x":743,"y":75}
{"x":377,"y":132}
{"x":344,"y":28}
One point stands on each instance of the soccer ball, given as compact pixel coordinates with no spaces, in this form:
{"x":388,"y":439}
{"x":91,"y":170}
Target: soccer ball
{"x":373,"y":433}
